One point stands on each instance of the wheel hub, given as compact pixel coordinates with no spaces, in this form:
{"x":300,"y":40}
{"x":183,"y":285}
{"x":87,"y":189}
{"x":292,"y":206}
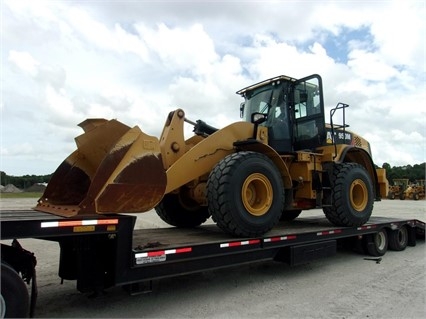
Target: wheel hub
{"x":257,"y":194}
{"x":380,"y":240}
{"x":358,"y":195}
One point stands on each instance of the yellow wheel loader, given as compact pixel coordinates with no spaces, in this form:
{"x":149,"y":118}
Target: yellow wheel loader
{"x":281,"y":159}
{"x":416,"y":191}
{"x":398,"y":189}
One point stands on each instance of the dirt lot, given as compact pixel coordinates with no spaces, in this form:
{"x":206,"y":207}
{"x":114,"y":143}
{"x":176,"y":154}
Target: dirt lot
{"x":343,"y":286}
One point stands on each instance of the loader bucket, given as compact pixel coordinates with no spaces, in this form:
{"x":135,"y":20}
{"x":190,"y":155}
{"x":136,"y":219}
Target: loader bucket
{"x":115,"y":169}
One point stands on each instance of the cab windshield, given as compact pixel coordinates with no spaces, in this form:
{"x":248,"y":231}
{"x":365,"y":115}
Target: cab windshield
{"x":265,"y":100}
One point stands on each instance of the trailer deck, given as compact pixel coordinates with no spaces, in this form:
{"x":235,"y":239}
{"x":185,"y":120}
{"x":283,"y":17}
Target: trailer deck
{"x":36,"y":224}
{"x":172,"y":236}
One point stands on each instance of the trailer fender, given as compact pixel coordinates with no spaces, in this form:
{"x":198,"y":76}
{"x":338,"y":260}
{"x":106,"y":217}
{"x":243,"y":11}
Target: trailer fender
{"x":21,"y":260}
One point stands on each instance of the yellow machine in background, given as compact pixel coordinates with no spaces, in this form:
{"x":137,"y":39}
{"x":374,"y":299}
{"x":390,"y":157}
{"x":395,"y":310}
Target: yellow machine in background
{"x":397,"y":190}
{"x":416,"y":191}
{"x":281,"y":159}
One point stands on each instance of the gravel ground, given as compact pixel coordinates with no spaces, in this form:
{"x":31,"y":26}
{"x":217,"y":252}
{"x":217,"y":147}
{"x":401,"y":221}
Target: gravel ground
{"x":342,"y":286}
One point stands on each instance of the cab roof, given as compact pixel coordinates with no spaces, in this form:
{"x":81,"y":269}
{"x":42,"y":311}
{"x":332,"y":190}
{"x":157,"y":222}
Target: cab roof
{"x":266,"y":82}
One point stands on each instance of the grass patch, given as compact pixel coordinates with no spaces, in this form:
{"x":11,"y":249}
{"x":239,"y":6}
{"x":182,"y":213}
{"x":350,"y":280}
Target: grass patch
{"x":20,"y":195}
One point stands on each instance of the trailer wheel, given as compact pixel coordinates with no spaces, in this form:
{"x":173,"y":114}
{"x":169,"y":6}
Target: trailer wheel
{"x":376,"y":244}
{"x":245,"y":194}
{"x":391,"y":195}
{"x":14,"y":299}
{"x":398,"y":239}
{"x":416,"y":196}
{"x":181,"y":211}
{"x":352,"y":194}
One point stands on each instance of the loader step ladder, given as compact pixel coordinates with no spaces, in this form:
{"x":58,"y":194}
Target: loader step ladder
{"x":325,"y":199}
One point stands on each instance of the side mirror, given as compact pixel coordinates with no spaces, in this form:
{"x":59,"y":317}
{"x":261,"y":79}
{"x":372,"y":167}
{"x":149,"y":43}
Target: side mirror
{"x":242,"y":105}
{"x":258,"y":118}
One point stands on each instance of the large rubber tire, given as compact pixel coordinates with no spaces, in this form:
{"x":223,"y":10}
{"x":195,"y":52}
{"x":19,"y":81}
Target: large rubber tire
{"x":352,"y":194}
{"x":181,"y":211}
{"x":14,"y":299}
{"x":245,"y":194}
{"x":398,"y":239}
{"x":376,"y":244}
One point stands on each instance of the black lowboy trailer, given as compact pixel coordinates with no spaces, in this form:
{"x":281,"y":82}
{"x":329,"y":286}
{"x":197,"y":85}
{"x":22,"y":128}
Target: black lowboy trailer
{"x":104,"y":251}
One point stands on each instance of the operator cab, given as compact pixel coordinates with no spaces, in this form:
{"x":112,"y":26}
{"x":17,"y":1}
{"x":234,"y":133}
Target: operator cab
{"x":292,"y":110}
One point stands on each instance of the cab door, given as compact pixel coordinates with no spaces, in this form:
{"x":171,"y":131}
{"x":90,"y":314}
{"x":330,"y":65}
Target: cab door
{"x":308,"y":114}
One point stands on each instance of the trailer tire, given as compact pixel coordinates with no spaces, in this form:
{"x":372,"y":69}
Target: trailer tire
{"x":245,"y":194}
{"x":398,"y":239}
{"x":391,"y":195}
{"x":376,"y":244}
{"x":416,"y":196}
{"x":352,"y":195}
{"x":181,"y":211}
{"x":14,"y":299}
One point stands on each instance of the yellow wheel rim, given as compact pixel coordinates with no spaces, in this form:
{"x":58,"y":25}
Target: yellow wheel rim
{"x":257,"y":194}
{"x":358,"y":195}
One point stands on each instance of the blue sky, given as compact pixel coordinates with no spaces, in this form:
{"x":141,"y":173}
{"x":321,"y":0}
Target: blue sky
{"x":65,"y":61}
{"x":339,"y":45}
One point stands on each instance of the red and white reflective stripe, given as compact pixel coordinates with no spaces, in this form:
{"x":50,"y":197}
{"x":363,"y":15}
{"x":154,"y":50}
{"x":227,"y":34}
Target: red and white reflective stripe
{"x":366,"y":227}
{"x":164,"y":252}
{"x":282,"y":238}
{"x":240,"y":243}
{"x":87,"y":222}
{"x":331,"y":232}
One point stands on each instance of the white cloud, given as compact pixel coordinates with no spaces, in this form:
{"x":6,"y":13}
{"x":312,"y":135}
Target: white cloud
{"x":99,"y":36}
{"x":24,"y":61}
{"x":399,"y":32}
{"x":59,"y":107}
{"x":370,"y":67}
{"x":188,"y":50}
